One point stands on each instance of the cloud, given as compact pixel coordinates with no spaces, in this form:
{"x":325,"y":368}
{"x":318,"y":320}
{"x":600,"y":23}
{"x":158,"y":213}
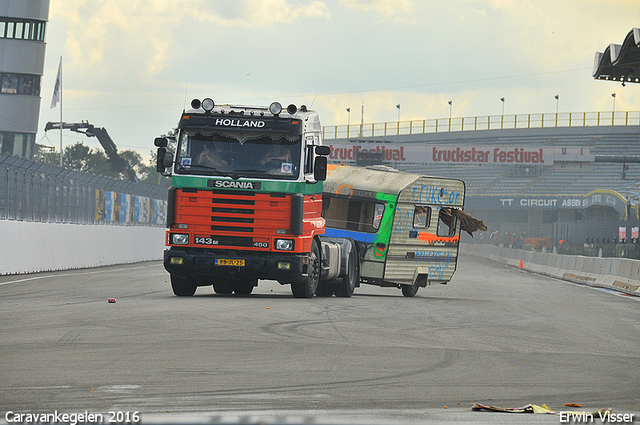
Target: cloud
{"x":387,"y":8}
{"x":144,"y":33}
{"x":252,"y":13}
{"x":273,"y":11}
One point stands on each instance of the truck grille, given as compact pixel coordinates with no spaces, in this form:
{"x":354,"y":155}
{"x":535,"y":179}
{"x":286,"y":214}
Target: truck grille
{"x":232,"y":218}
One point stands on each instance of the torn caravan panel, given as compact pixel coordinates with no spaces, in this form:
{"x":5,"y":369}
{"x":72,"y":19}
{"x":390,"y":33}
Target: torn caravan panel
{"x":406,"y":225}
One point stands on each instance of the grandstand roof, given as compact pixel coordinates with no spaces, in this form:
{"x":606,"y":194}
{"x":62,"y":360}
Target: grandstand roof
{"x":620,"y":62}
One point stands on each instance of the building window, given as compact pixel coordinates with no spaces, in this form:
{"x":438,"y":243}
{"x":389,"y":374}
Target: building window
{"x":9,"y":83}
{"x":29,"y":85}
{"x":17,"y":144}
{"x":22,"y":29}
{"x":24,"y":84}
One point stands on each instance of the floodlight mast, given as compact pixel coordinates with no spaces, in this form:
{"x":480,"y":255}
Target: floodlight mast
{"x":619,"y":62}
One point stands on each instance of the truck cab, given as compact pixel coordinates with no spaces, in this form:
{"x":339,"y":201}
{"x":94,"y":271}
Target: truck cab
{"x":246,"y":198}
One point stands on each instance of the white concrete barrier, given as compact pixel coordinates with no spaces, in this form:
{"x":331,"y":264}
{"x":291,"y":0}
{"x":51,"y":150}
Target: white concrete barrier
{"x":556,"y":266}
{"x":627,"y":279}
{"x":549,"y":264}
{"x":621,"y":274}
{"x":29,"y":247}
{"x":614,"y":271}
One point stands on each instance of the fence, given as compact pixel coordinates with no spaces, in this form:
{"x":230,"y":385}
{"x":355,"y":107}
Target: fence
{"x":619,"y":238}
{"x":493,"y":122}
{"x":39,"y":192}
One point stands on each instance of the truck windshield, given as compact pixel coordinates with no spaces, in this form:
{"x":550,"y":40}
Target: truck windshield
{"x":238,"y":154}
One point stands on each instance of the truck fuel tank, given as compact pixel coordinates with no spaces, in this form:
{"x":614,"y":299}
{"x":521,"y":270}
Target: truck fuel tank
{"x":331,"y":260}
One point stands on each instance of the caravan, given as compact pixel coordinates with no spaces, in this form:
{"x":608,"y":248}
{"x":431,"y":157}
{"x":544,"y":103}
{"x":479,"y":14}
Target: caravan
{"x":406,"y":226}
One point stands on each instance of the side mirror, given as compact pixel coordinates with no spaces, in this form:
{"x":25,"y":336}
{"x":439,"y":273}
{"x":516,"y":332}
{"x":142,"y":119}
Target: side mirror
{"x":164,"y":160}
{"x":161,"y":142}
{"x":323,"y":150}
{"x":160,"y":159}
{"x":320,"y":168}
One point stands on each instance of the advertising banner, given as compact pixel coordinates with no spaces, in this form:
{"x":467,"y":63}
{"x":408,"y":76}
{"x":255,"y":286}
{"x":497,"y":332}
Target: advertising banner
{"x":159,"y":211}
{"x":109,"y":206}
{"x":347,"y":152}
{"x":100,"y":200}
{"x":141,"y":209}
{"x":125,"y":204}
{"x":622,"y":233}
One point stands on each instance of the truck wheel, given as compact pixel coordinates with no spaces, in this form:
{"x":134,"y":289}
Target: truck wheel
{"x":410,"y":290}
{"x":222,"y":288}
{"x":307,"y":289}
{"x":244,"y":287}
{"x":182,"y":286}
{"x":344,"y":288}
{"x":325,"y":289}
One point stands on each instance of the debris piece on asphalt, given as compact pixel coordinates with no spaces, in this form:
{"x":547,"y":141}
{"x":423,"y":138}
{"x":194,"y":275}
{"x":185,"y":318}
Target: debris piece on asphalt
{"x":529,"y":408}
{"x":534,"y":408}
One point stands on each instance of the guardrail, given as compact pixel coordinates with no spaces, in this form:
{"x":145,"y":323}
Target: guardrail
{"x":491,"y":122}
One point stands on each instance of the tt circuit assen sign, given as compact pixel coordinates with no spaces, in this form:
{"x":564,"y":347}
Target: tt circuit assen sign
{"x":603,"y":198}
{"x":445,"y":154}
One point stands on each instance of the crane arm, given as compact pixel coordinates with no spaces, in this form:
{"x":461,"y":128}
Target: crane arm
{"x":100,"y":133}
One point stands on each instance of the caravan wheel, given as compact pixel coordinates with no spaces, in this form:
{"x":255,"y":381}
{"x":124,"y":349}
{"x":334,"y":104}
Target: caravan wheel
{"x":410,"y":290}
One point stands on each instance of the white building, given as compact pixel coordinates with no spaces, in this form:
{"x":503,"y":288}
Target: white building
{"x":22,"y":48}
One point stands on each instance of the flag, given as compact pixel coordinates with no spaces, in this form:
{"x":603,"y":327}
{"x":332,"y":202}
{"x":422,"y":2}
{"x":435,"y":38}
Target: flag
{"x":56,"y":89}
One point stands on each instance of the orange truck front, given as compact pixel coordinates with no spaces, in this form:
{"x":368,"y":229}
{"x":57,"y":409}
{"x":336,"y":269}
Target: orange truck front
{"x":246,"y":198}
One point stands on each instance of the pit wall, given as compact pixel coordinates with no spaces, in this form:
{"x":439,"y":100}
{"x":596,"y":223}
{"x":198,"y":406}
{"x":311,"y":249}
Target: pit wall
{"x":29,"y":247}
{"x":620,"y":274}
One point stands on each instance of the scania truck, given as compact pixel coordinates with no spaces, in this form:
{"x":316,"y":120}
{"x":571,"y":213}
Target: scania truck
{"x":246,"y":203}
{"x":246,"y":198}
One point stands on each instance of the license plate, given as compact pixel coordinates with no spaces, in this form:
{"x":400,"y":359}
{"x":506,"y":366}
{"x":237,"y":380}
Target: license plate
{"x":229,"y":262}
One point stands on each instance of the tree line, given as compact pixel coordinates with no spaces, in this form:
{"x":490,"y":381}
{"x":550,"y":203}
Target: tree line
{"x":80,"y":157}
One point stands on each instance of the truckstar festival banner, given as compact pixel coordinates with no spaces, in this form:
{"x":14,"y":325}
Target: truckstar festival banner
{"x":413,"y":152}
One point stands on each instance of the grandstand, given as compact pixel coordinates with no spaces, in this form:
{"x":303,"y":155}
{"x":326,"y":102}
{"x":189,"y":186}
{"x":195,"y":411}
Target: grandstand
{"x":588,"y":172}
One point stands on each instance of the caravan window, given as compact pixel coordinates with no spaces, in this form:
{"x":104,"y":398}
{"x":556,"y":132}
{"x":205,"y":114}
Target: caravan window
{"x":421,"y":217}
{"x":352,"y":214}
{"x":447,"y":223}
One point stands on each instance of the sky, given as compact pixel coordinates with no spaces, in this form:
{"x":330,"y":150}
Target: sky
{"x":133,"y":66}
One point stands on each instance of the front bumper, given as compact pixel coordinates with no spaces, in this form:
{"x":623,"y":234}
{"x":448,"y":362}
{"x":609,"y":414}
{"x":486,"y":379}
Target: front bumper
{"x":194,"y":263}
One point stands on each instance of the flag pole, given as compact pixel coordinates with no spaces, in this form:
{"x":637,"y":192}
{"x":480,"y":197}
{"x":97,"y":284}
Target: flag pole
{"x":60,"y":111}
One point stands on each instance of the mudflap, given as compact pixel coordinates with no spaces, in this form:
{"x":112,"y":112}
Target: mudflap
{"x":421,"y":276}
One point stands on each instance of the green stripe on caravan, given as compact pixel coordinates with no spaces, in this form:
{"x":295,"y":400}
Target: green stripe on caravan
{"x":197,"y":182}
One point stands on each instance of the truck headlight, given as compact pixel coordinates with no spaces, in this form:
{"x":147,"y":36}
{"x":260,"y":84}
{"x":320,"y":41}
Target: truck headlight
{"x":284,"y":244}
{"x":275,"y":108}
{"x":179,"y":239}
{"x":208,"y":104}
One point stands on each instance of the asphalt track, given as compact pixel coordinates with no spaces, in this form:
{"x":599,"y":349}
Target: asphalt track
{"x":495,"y":335}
